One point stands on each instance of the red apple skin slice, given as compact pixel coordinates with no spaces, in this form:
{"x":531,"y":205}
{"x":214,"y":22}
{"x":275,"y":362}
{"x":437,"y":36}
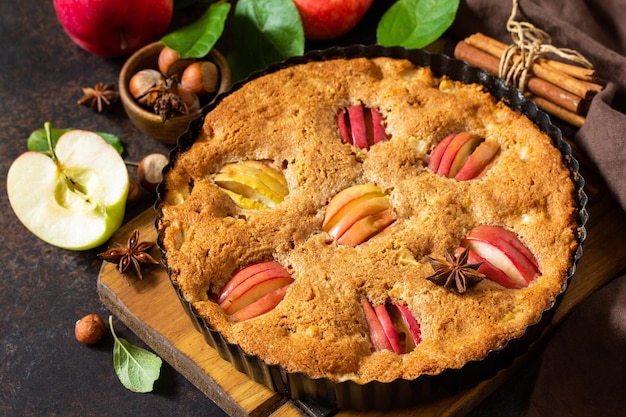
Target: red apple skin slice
{"x":344,"y":197}
{"x":342,"y":125}
{"x":366,"y":228}
{"x":243,"y":274}
{"x":254,"y":288}
{"x":463,"y":154}
{"x":500,"y":233}
{"x":484,"y":171}
{"x":261,"y":306}
{"x":378,"y":128}
{"x":357,"y":210}
{"x":503,"y":256}
{"x":376,"y":332}
{"x":478,"y":161}
{"x":451,"y":151}
{"x":389,"y":329}
{"x":437,"y":154}
{"x":411,"y":323}
{"x":486,"y":268}
{"x":357,"y":126}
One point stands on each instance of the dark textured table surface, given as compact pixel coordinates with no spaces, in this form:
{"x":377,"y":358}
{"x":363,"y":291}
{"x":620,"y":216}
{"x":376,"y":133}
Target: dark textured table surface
{"x":44,"y":371}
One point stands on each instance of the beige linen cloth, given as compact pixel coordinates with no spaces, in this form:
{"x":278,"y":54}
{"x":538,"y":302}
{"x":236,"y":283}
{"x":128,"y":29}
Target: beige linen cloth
{"x":583,"y":368}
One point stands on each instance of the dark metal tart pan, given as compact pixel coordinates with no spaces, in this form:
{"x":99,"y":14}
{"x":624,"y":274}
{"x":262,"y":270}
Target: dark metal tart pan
{"x":322,"y":396}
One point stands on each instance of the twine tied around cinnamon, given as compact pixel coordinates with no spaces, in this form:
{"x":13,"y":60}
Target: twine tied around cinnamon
{"x":529,"y":44}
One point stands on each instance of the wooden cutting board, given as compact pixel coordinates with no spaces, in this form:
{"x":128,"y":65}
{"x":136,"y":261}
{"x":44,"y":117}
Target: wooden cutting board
{"x":152,"y":310}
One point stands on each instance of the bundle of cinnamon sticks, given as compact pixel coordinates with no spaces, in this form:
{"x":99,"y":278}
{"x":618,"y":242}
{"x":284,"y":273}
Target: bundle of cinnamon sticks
{"x":560,"y":89}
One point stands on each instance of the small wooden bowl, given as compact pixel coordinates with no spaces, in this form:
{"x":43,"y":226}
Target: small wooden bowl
{"x":149,"y":122}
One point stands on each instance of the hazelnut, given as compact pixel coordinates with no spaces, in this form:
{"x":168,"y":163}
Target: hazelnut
{"x":191,"y":100}
{"x":202,"y":77}
{"x":89,"y":329}
{"x":170,"y":64}
{"x":149,"y":170}
{"x":141,"y":82}
{"x":134,"y":193}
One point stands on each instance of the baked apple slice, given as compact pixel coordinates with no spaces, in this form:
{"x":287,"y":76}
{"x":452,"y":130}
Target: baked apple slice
{"x":254,"y":290}
{"x":357,"y":213}
{"x":478,"y":162}
{"x":501,"y":249}
{"x":377,"y":334}
{"x":407,"y":326}
{"x":390,"y":331}
{"x":461,"y":143}
{"x":487,"y":269}
{"x":391,"y":327}
{"x":462,"y":156}
{"x":252,"y":184}
{"x":262,"y":305}
{"x":361,"y":126}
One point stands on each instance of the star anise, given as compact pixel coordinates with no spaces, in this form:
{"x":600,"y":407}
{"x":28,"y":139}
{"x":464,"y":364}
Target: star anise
{"x":134,"y":254}
{"x":165,"y":100}
{"x":99,"y":97}
{"x":455,"y":273}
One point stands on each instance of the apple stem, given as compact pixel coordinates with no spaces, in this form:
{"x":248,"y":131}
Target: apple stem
{"x":131,"y":163}
{"x":48,"y":129}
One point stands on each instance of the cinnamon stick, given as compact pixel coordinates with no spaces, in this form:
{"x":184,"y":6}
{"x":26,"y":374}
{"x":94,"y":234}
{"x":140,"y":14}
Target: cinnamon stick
{"x":582,"y":73}
{"x":540,"y":68}
{"x":581,"y":88}
{"x":557,"y":111}
{"x":535,"y":85}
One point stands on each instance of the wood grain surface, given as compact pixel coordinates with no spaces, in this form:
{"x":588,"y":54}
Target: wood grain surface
{"x":152,"y":310}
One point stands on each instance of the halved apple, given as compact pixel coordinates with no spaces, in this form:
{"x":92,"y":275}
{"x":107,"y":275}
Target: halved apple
{"x":503,"y":250}
{"x":252,"y":184}
{"x":75,"y":199}
{"x":361,"y":126}
{"x":357,"y":213}
{"x":462,"y":156}
{"x":254,"y":290}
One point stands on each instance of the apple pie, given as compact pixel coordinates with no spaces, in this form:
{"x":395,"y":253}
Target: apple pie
{"x":364,"y":219}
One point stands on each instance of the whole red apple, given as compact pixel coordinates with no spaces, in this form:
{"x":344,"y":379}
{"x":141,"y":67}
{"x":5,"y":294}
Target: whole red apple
{"x":111,"y":28}
{"x":328,"y":19}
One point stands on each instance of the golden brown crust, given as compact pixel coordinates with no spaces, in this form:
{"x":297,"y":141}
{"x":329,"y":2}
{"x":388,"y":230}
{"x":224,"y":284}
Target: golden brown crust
{"x":288,"y":119}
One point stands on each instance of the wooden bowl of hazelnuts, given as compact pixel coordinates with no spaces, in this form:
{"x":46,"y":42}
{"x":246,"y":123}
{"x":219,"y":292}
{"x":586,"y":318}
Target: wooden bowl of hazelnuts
{"x":162,"y":93}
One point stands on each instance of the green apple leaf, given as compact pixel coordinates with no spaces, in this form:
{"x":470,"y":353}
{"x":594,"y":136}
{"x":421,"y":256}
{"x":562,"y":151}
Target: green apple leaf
{"x":415,"y":24}
{"x":266,"y":31}
{"x":197,"y":39}
{"x":38,"y":140}
{"x":136,"y":368}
